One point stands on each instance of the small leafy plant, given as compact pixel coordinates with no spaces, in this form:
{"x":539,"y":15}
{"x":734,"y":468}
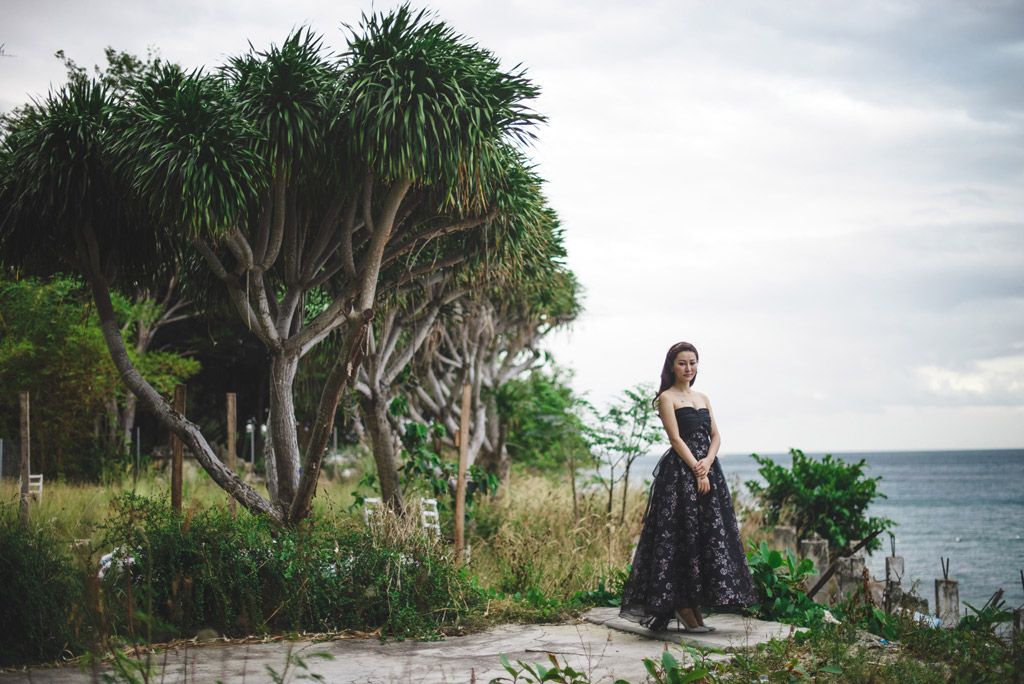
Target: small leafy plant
{"x":531,"y":674}
{"x":779,"y":581}
{"x":986,"y":619}
{"x":424,"y":468}
{"x":670,"y":671}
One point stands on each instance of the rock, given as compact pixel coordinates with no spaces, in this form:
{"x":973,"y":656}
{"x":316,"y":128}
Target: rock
{"x":207,"y":635}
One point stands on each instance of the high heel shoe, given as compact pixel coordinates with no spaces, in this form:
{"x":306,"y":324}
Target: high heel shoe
{"x":657,"y":624}
{"x":699,"y":629}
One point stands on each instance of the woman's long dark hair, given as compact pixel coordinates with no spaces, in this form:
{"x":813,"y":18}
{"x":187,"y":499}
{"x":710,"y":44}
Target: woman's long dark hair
{"x":668,"y":377}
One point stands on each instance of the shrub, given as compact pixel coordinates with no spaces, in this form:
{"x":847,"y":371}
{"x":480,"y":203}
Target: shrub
{"x":827,"y":496}
{"x":40,"y":584}
{"x":244,"y":576}
{"x":779,"y":581}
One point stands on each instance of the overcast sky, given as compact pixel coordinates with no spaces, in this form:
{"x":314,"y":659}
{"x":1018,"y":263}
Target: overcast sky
{"x":827,"y":198}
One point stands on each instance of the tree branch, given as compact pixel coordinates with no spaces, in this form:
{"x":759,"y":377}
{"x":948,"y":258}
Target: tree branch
{"x":378,"y":242}
{"x":277,"y":225}
{"x":156,"y":404}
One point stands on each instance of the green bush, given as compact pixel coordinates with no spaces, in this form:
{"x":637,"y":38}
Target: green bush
{"x":244,"y":576}
{"x":779,"y":581}
{"x":543,"y":430}
{"x":40,"y":584}
{"x":827,"y":496}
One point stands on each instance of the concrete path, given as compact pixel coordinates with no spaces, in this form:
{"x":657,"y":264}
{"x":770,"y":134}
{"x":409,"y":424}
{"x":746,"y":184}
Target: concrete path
{"x":604,"y":647}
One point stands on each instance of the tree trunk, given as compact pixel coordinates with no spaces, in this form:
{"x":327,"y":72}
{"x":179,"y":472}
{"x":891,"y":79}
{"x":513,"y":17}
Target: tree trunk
{"x":382,"y":442}
{"x":270,"y":469}
{"x":494,"y":459}
{"x":281,"y":429}
{"x":338,"y":380}
{"x":625,"y":492}
{"x":128,"y":421}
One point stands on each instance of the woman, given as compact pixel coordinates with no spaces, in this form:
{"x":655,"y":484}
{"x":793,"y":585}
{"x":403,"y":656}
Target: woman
{"x":690,"y":553}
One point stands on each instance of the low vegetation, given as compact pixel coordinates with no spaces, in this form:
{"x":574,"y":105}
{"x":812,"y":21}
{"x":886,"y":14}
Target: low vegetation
{"x":538,"y":553}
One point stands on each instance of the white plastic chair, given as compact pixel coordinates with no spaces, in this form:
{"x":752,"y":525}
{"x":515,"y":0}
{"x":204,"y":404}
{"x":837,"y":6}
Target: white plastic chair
{"x":429,"y":516}
{"x":35,"y":486}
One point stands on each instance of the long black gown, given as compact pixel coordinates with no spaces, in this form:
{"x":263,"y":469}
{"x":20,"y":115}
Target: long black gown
{"x":690,"y":553}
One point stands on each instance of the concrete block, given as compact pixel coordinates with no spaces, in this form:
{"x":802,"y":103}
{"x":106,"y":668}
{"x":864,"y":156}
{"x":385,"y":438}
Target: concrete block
{"x":893,"y":593}
{"x":947,"y":602}
{"x":850,"y":576}
{"x":817,"y":551}
{"x":785,"y":538}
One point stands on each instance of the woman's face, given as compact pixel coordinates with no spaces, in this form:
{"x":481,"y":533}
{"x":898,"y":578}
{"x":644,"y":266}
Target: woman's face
{"x":685,"y":366}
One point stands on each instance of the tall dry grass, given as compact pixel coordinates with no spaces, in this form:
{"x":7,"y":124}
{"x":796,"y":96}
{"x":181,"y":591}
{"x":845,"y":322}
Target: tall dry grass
{"x":75,"y":511}
{"x":531,"y":537}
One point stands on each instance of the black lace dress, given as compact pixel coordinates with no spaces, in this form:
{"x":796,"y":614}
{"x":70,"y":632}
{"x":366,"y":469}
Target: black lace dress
{"x":690,"y":553}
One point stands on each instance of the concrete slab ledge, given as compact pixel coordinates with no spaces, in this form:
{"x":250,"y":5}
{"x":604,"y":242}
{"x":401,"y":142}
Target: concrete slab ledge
{"x":732,"y":632}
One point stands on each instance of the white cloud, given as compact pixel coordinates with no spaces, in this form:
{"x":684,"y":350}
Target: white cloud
{"x":988,"y":381}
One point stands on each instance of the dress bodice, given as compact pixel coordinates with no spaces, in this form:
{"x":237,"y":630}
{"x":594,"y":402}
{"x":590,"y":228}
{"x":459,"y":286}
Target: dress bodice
{"x":690,"y":420}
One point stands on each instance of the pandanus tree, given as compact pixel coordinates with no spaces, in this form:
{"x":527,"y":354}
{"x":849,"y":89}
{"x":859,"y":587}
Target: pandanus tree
{"x":286,"y":177}
{"x":490,"y":338}
{"x":474,"y":262}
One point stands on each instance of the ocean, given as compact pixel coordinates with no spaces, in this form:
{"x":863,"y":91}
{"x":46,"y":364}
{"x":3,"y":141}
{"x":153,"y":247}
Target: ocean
{"x":967,"y":506}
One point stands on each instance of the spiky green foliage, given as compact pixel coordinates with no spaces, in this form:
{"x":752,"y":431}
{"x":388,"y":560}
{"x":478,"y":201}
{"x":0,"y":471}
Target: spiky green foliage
{"x":288,"y":176}
{"x":429,"y":106}
{"x":184,"y":149}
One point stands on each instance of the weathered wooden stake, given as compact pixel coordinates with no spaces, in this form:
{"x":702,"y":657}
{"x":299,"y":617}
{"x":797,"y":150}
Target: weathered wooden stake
{"x":232,"y":425}
{"x":25,"y":461}
{"x":460,"y":490}
{"x":138,"y":454}
{"x":177,"y":450}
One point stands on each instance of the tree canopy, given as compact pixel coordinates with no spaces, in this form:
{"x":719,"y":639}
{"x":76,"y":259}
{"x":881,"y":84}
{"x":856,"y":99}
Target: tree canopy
{"x":285,"y":176}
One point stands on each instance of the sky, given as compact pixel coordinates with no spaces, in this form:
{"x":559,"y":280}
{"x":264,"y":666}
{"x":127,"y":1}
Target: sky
{"x":824,"y":197}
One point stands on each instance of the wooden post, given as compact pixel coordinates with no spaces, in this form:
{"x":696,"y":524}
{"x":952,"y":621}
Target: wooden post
{"x":177,"y":450}
{"x":460,"y":490}
{"x":25,"y":462}
{"x":138,"y":453}
{"x":232,"y":414}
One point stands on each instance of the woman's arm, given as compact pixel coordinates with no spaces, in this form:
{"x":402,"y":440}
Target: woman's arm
{"x":704,"y":465}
